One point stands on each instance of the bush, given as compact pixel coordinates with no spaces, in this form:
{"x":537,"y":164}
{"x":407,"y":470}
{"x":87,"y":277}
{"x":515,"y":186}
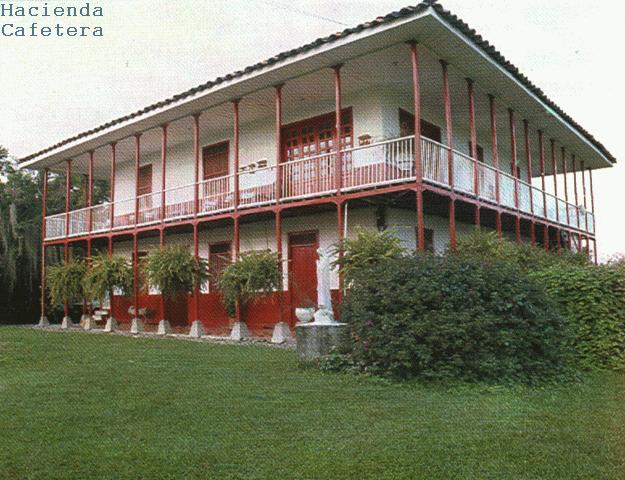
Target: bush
{"x":368,"y":248}
{"x":105,"y":275}
{"x":593,"y":300}
{"x":174,"y":270}
{"x":64,"y":282}
{"x":453,"y":317}
{"x":252,"y":276}
{"x":485,"y":245}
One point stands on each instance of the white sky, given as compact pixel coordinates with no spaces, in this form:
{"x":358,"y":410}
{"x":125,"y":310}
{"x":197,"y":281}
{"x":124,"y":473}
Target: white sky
{"x":53,"y":88}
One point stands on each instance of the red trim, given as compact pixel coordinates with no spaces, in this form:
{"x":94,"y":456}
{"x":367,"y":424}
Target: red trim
{"x":574,"y":161}
{"x":528,"y":158}
{"x":566,"y":189}
{"x":235,"y":147}
{"x":448,"y":122}
{"x":112,"y":182}
{"x":338,"y":128}
{"x":44,"y":210}
{"x":278,"y":133}
{"x":163,"y":170}
{"x":554,"y":167}
{"x":416,"y":93}
{"x":280,"y":265}
{"x":473,"y":135}
{"x":196,"y":156}
{"x":137,"y":175}
{"x":196,"y":290}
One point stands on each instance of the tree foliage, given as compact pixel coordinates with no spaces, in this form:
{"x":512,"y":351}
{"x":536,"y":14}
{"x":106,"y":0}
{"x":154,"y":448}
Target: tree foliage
{"x":253,"y":275}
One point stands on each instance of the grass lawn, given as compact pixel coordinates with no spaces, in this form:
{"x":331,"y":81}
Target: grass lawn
{"x":85,"y":406}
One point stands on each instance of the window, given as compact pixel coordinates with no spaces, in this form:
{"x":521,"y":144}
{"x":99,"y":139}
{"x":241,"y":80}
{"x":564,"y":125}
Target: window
{"x":428,"y":130}
{"x":215,"y":160}
{"x":315,"y":136}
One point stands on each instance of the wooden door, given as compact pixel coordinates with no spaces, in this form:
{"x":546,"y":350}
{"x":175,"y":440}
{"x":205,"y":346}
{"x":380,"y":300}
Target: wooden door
{"x":144,"y":186}
{"x":302,"y":271}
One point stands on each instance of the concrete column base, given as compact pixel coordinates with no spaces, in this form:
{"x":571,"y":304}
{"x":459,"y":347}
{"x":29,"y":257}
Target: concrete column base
{"x":239,"y":331}
{"x":316,"y":340}
{"x":88,"y":323}
{"x":111,"y":325}
{"x":67,"y":323}
{"x":136,"y":326}
{"x":197,"y":329}
{"x":281,"y":333}
{"x":43,"y":322}
{"x":164,"y":328}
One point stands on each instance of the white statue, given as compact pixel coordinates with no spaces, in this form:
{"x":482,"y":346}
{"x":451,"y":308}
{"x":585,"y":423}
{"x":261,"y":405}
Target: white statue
{"x":324,"y":295}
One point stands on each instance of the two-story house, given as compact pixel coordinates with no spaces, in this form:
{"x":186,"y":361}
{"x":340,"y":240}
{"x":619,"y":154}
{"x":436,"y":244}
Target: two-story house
{"x":411,"y":122}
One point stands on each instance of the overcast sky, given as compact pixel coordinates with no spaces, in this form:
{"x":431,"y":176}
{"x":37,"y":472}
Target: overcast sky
{"x":52,"y":88}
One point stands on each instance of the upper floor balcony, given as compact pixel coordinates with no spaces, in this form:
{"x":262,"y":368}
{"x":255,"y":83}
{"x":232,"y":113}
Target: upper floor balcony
{"x":359,"y":168}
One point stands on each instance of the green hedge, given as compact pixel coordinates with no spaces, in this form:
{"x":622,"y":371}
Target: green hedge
{"x":593,"y":299}
{"x":454,"y":317}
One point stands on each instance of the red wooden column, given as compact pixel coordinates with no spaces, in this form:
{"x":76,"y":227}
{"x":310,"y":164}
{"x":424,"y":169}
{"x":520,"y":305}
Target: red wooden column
{"x":416,"y":93}
{"x":566,"y":192}
{"x":89,"y":305}
{"x":574,"y":162}
{"x":196,"y":156}
{"x":68,"y":191}
{"x":112,"y":194}
{"x":450,"y":155}
{"x":528,"y":159}
{"x":592,"y":208}
{"x":163,"y":172}
{"x":135,"y":240}
{"x":495,"y":155}
{"x":554,"y":167}
{"x":44,"y":210}
{"x":513,"y":149}
{"x":196,"y":290}
{"x":236,"y":238}
{"x":280,"y":266}
{"x":581,"y":167}
{"x":338,"y":128}
{"x":235,"y":148}
{"x":278,"y":134}
{"x":541,"y":148}
{"x":341,"y":237}
{"x":473,"y":134}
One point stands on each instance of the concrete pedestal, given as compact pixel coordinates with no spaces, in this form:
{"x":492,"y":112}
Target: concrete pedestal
{"x":111,"y":325}
{"x":136,"y":326}
{"x":281,"y":333}
{"x":88,"y":323}
{"x":44,"y":322}
{"x":239,"y":331}
{"x":164,"y":328}
{"x":197,"y":329}
{"x":316,"y":340}
{"x":67,"y":323}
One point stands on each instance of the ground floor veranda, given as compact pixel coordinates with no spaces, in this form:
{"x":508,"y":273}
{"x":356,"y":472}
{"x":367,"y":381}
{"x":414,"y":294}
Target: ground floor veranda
{"x":296,"y":232}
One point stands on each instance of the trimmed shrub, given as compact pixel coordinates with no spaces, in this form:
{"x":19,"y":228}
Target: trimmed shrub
{"x":174,"y":270}
{"x":254,"y":275}
{"x":454,"y":317}
{"x":593,"y":299}
{"x":485,"y":245}
{"x":65,"y":282}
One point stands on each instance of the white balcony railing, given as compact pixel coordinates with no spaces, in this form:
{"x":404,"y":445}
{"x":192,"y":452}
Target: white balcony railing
{"x":363,"y":167}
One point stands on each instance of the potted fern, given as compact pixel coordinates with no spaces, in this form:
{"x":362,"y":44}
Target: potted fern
{"x":65,"y":285}
{"x":175,"y":272}
{"x":106,"y":275}
{"x":253,"y":275}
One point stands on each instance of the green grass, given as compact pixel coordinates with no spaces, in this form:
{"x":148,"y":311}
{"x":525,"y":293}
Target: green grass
{"x":83,"y":406}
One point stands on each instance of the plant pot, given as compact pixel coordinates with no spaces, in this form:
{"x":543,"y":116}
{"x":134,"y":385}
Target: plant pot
{"x":305,"y":315}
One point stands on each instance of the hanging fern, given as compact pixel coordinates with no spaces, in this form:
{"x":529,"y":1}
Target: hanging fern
{"x":65,"y":282}
{"x":174,"y":271}
{"x":252,"y":276}
{"x":107,"y":274}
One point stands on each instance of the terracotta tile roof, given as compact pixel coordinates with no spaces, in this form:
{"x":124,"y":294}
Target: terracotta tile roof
{"x":446,"y":15}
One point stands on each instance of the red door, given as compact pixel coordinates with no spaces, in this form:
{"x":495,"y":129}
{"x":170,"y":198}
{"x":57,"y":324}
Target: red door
{"x":302,"y":271}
